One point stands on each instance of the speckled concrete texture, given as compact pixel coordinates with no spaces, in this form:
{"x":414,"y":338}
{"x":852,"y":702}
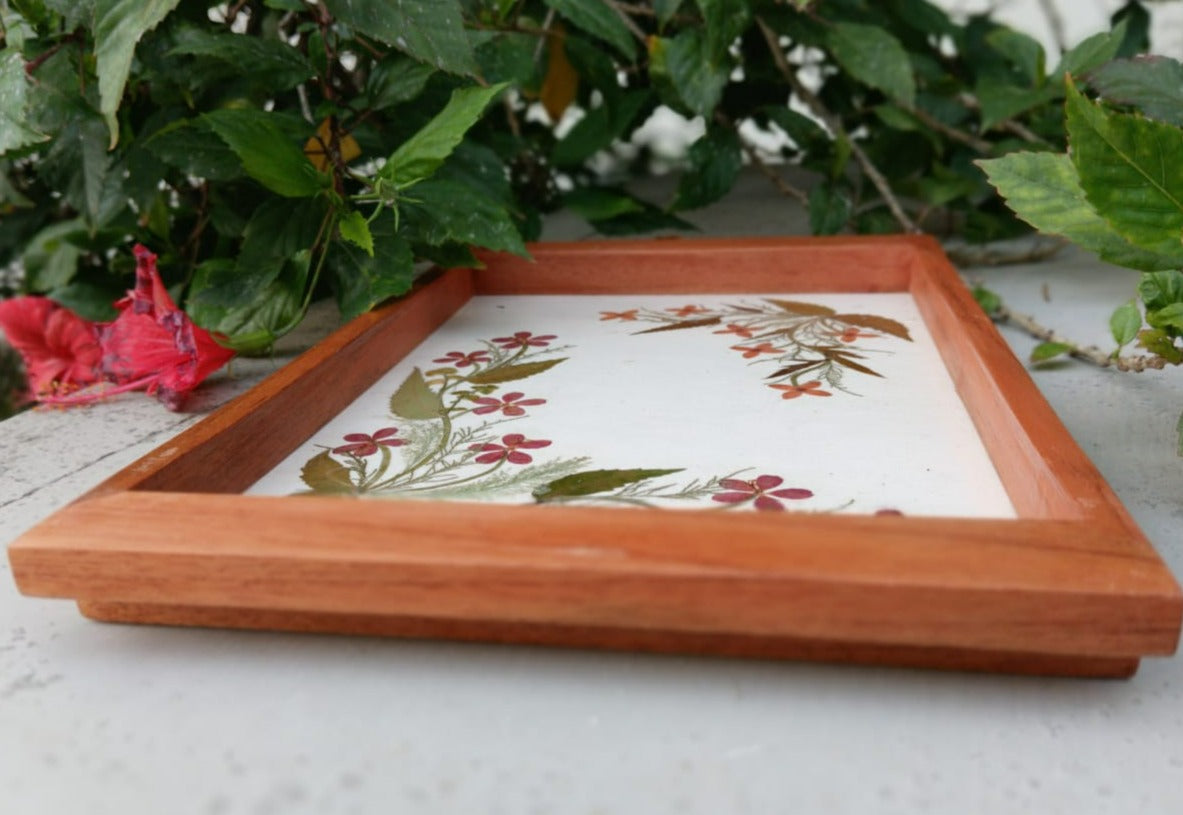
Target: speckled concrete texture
{"x":117,"y":720}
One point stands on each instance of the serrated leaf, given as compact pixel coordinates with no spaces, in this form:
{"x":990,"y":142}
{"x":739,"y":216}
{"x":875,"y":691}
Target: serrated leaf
{"x":322,"y":473}
{"x":591,"y":482}
{"x":1049,"y":350}
{"x":415,"y":400}
{"x":1169,"y":318}
{"x":799,"y":307}
{"x":683,"y":324}
{"x":599,"y":19}
{"x":1044,"y":190}
{"x":512,"y":373}
{"x":715,"y":161}
{"x":363,"y":281}
{"x":876,"y":323}
{"x":1125,"y":323}
{"x":423,"y":153}
{"x":874,"y":57}
{"x":829,"y":209}
{"x":270,"y":62}
{"x":15,"y":131}
{"x":683,"y":69}
{"x":191,"y":146}
{"x":1161,"y":289}
{"x":431,"y":31}
{"x":445,"y":211}
{"x":265,"y":153}
{"x":251,"y":327}
{"x":353,"y":228}
{"x":1152,"y":84}
{"x":118,"y":26}
{"x":1090,"y":53}
{"x":725,"y":21}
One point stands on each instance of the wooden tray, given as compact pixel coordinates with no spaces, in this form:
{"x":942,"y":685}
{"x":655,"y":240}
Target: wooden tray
{"x":1069,"y":586}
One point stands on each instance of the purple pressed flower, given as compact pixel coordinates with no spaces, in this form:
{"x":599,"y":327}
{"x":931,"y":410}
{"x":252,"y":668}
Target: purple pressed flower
{"x":511,"y":404}
{"x":509,"y":449}
{"x":365,"y":444}
{"x":760,"y":491}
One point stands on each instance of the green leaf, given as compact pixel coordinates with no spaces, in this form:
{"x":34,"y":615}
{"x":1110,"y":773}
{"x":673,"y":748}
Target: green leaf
{"x":806,"y":134}
{"x":431,"y":31}
{"x":876,"y":323}
{"x":1168,"y":318}
{"x":1090,"y":53}
{"x":1044,"y":190}
{"x":725,"y":22}
{"x":1157,"y":341}
{"x":77,"y":162}
{"x":444,"y":210}
{"x":268,"y":62}
{"x":1001,"y":100}
{"x":1049,"y":350}
{"x":118,"y":26}
{"x":415,"y":400}
{"x":598,"y":203}
{"x":353,"y":228}
{"x":665,"y":11}
{"x":799,"y":307}
{"x":1152,"y":84}
{"x":363,"y":281}
{"x":591,"y":482}
{"x":874,"y":57}
{"x":251,"y":327}
{"x":598,"y":129}
{"x":396,"y":79}
{"x":704,"y":321}
{"x":599,"y":19}
{"x":715,"y":162}
{"x":988,"y":300}
{"x":191,"y":146}
{"x":422,"y":154}
{"x":1161,"y":289}
{"x":51,"y":259}
{"x":1021,"y":50}
{"x":266,"y":154}
{"x":512,"y":373}
{"x":1125,"y":323}
{"x":829,"y":208}
{"x":323,"y":473}
{"x":15,"y":131}
{"x":683,"y":68}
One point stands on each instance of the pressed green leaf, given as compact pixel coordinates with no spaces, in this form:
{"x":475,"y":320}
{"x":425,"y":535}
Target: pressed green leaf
{"x":599,"y":19}
{"x":874,"y":57}
{"x":829,"y":208}
{"x":1161,"y":289}
{"x":1169,"y":318}
{"x":1049,"y":350}
{"x":1044,"y":190}
{"x":591,"y":482}
{"x":1131,"y":170}
{"x":422,"y":154}
{"x":1152,"y":84}
{"x":353,"y":228}
{"x":15,"y":131}
{"x":705,"y":321}
{"x":683,"y":67}
{"x":322,"y":473}
{"x":512,"y":373}
{"x":444,"y":210}
{"x":431,"y":31}
{"x":118,"y":26}
{"x":876,"y":323}
{"x":799,"y":307}
{"x":415,"y":400}
{"x":266,"y":154}
{"x":363,"y":281}
{"x":1124,"y":323}
{"x":715,"y":161}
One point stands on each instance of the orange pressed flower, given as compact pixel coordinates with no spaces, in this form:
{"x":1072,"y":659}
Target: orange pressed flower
{"x":755,"y":351}
{"x":686,"y":311}
{"x":631,"y":314}
{"x":811,"y":388}
{"x":851,"y":334}
{"x":740,"y":330}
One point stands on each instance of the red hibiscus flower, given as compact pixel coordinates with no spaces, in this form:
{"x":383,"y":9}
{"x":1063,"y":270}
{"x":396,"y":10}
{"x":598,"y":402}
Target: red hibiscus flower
{"x":366,"y":444}
{"x":509,"y":405}
{"x":463,"y":360}
{"x":154,"y":345}
{"x":812,"y":388}
{"x":509,"y":450}
{"x":760,"y":491}
{"x":523,"y":339}
{"x":60,"y":349}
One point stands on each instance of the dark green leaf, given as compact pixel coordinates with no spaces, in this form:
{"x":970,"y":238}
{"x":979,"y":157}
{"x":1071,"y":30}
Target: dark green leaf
{"x":363,"y":281}
{"x":51,"y":259}
{"x":415,"y":400}
{"x":683,"y":324}
{"x":599,"y":19}
{"x":422,"y":154}
{"x":322,"y":473}
{"x":1001,"y":100}
{"x":874,"y":57}
{"x":512,"y":373}
{"x":1157,"y":341}
{"x":682,"y":65}
{"x":598,"y":129}
{"x":90,"y":299}
{"x":1049,"y":350}
{"x":1090,"y":53}
{"x":1161,"y":289}
{"x":1125,"y":323}
{"x":431,"y":31}
{"x":509,"y":58}
{"x":191,"y":146}
{"x":715,"y":161}
{"x":266,"y":154}
{"x":798,"y":307}
{"x":829,"y":208}
{"x":268,"y":62}
{"x":665,"y":10}
{"x":445,"y":211}
{"x":1021,"y":50}
{"x":805,"y":133}
{"x":396,"y":79}
{"x":1152,"y":84}
{"x":251,"y":327}
{"x":876,"y":323}
{"x":592,"y":482}
{"x":15,"y":130}
{"x":598,"y":203}
{"x":118,"y":26}
{"x":725,"y":22}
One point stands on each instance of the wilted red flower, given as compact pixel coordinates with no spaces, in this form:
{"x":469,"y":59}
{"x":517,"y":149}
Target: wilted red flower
{"x":154,"y":345}
{"x":60,"y":349}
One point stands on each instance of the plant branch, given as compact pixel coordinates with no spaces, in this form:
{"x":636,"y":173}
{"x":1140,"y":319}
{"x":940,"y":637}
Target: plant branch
{"x":968,"y":139}
{"x":834,"y":123}
{"x":623,"y":11}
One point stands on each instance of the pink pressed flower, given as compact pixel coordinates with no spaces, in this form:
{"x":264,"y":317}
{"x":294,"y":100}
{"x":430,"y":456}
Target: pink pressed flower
{"x":750,"y":351}
{"x":366,"y":444}
{"x":509,"y":405}
{"x":760,"y":491}
{"x":509,"y":449}
{"x":463,"y":360}
{"x":60,"y":349}
{"x":523,"y":339}
{"x":154,"y":345}
{"x":812,"y":388}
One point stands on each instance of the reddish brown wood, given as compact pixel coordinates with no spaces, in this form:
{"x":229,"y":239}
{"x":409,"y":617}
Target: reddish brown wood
{"x":1072,"y":585}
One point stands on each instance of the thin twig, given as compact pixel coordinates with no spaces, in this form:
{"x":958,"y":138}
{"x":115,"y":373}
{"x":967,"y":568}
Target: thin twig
{"x":623,"y":12}
{"x":1022,"y":131}
{"x":990,"y":256}
{"x":834,"y":123}
{"x":1088,"y":353}
{"x":546,"y":24}
{"x":968,"y":139}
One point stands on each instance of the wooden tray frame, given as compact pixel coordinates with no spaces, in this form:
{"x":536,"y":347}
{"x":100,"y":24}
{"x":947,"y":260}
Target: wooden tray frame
{"x":1070,"y":587}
